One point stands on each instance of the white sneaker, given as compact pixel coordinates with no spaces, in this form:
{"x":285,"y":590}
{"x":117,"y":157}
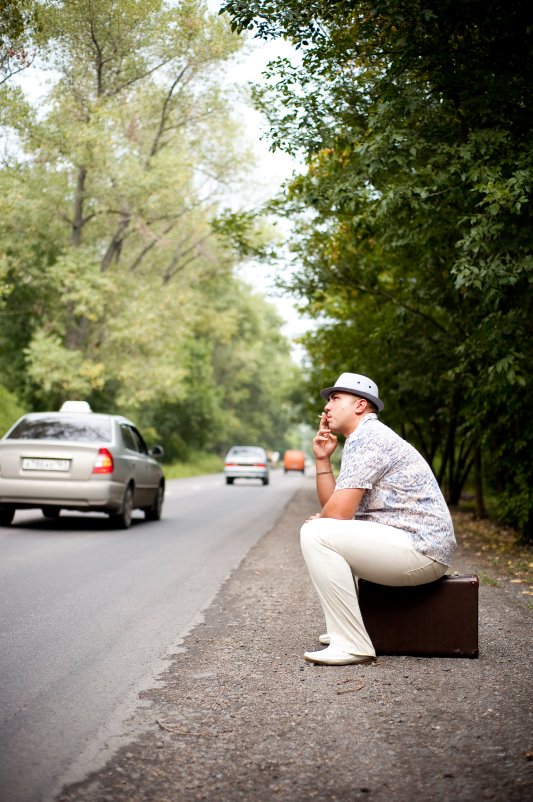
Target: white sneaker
{"x":336,"y":657}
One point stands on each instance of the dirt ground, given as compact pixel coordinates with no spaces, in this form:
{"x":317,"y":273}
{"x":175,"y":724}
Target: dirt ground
{"x":240,"y":715}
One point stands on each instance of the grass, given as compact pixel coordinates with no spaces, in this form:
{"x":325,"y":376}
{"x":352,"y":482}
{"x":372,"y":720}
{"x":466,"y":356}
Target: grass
{"x":488,"y":580}
{"x":197,"y":465}
{"x":498,"y":549}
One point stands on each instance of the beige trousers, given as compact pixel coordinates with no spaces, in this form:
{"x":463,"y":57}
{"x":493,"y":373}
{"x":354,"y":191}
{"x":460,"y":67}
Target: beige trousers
{"x":338,"y":553}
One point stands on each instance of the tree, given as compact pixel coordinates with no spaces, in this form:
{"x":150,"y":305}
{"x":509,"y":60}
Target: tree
{"x":10,"y":409}
{"x":415,"y":214}
{"x":18,"y":25}
{"x":112,"y":192}
{"x":120,"y":155}
{"x":242,"y":385}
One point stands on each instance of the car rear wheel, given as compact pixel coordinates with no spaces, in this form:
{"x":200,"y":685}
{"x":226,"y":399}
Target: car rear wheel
{"x":265,"y":480}
{"x":122,"y":519}
{"x":229,"y":480}
{"x":51,"y":512}
{"x":6,"y":515}
{"x":153,"y":513}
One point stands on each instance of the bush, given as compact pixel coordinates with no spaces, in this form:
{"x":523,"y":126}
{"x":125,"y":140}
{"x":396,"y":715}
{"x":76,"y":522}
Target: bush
{"x":197,"y":465}
{"x":10,"y":409}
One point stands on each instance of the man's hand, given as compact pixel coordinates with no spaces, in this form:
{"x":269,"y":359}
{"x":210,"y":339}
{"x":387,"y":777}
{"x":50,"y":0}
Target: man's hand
{"x":324,"y":442}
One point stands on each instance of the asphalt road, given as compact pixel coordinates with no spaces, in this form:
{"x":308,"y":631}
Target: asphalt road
{"x":90,"y":616}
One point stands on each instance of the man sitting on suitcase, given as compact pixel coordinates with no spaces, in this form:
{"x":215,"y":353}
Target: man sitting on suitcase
{"x":384,"y":519}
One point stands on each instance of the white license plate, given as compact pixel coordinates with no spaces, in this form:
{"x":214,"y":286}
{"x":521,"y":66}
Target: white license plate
{"x":40,"y":464}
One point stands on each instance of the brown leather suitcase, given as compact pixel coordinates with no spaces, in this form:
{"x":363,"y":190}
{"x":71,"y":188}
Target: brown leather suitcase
{"x":439,"y":619}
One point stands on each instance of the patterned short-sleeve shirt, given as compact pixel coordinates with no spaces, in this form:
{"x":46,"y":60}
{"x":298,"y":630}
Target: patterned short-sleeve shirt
{"x":401,"y":489}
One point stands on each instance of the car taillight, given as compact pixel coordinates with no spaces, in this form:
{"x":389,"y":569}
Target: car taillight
{"x":231,"y":464}
{"x":104,"y":462}
{"x":260,"y":465}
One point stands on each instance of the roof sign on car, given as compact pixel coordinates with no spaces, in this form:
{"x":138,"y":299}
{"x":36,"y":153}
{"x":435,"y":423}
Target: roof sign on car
{"x":75,"y":406}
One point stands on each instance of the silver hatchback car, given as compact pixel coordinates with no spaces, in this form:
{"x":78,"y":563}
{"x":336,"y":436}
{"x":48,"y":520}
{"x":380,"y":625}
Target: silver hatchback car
{"x":246,"y":462}
{"x":76,"y":459}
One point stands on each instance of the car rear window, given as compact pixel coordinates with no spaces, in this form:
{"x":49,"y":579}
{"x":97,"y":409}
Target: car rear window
{"x":245,"y":451}
{"x":83,"y":428}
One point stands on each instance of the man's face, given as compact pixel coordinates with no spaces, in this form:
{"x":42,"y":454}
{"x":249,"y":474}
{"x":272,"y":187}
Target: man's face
{"x":342,"y":410}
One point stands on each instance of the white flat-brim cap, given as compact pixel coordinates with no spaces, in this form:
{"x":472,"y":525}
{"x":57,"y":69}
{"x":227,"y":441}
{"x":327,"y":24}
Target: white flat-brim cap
{"x":357,"y":385}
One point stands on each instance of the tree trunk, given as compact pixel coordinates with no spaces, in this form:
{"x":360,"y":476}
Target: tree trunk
{"x":77,"y":222}
{"x":75,"y":329}
{"x":481,"y":511}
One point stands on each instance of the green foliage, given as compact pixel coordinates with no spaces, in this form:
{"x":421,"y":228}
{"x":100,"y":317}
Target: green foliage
{"x":19,"y":23}
{"x":198,"y":464}
{"x":116,"y":256}
{"x":238,"y":383}
{"x":245,"y":234}
{"x":10,"y":409}
{"x":414,"y":216}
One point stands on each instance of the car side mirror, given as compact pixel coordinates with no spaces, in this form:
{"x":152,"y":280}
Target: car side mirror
{"x":156,"y":451}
